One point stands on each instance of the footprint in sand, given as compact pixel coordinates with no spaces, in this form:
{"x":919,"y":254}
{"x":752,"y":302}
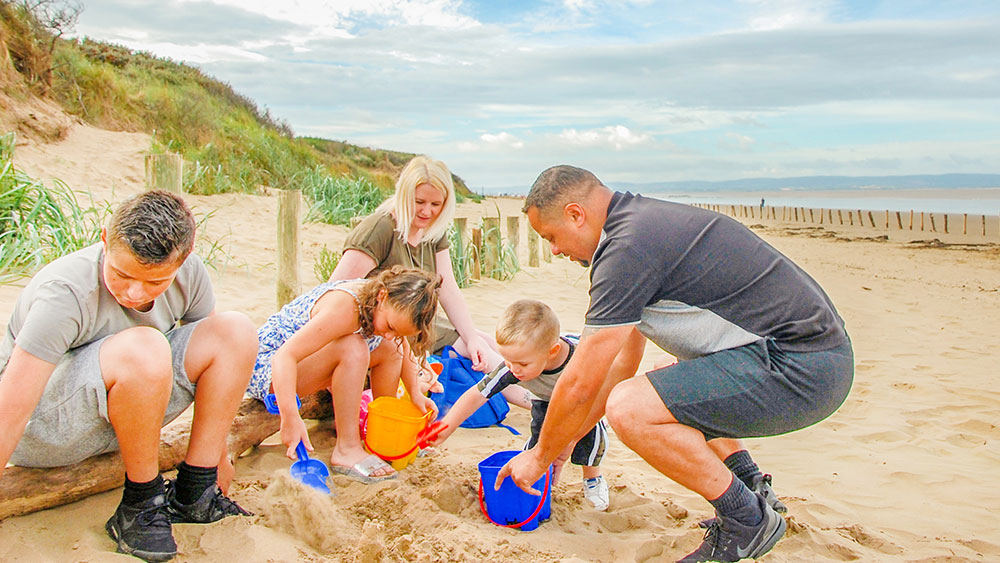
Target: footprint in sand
{"x":869,"y":540}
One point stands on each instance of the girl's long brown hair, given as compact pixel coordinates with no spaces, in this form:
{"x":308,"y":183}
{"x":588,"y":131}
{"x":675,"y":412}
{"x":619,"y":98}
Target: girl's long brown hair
{"x":409,"y":290}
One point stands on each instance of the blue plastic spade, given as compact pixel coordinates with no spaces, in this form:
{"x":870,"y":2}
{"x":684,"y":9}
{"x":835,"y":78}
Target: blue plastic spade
{"x":308,"y":471}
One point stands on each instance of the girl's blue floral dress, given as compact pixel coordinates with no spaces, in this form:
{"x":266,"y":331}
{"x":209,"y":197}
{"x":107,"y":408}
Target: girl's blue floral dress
{"x":280,"y":326}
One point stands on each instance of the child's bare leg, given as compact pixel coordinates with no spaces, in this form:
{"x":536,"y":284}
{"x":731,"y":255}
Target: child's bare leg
{"x":219,"y":359}
{"x":137,"y":372}
{"x":591,"y":472}
{"x":386,"y":366}
{"x":347,"y":360}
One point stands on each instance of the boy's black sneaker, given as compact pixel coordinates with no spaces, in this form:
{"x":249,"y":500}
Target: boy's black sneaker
{"x":727,"y":540}
{"x":211,"y":506}
{"x":762,"y":486}
{"x":143,"y":530}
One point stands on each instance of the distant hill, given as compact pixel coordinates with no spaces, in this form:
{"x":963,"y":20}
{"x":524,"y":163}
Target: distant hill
{"x":914,"y":181}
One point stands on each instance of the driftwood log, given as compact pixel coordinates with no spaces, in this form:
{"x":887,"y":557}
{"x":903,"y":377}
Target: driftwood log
{"x":24,"y":490}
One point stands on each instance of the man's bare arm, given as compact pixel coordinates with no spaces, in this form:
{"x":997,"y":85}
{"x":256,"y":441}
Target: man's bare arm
{"x":582,"y":388}
{"x":625,"y":365}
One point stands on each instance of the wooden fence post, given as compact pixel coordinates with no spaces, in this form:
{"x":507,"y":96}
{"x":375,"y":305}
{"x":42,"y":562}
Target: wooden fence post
{"x":491,"y":246}
{"x":476,"y":248}
{"x":165,"y":172}
{"x":514,"y":234}
{"x":899,"y":221}
{"x":840,"y":217}
{"x":546,"y":251}
{"x":288,"y":285}
{"x":984,"y":225}
{"x":532,"y":247}
{"x":811,"y":218}
{"x":871,"y":218}
{"x":946,"y":222}
{"x":460,"y":224}
{"x":933,"y":226}
{"x":911,"y":219}
{"x":965,"y":223}
{"x":921,"y":220}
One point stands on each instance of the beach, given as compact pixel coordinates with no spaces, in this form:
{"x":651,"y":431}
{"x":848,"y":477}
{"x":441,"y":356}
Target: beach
{"x":900,"y":472}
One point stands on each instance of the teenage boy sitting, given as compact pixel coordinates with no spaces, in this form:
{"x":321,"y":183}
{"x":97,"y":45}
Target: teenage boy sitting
{"x":534,"y":357}
{"x":106,"y":345}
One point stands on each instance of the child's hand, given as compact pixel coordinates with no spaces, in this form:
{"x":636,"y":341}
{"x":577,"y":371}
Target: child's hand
{"x":440,"y":438}
{"x":425,"y":404}
{"x":293,"y":431}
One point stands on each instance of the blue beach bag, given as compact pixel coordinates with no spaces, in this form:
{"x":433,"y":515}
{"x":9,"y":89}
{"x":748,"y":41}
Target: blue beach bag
{"x":456,"y":377}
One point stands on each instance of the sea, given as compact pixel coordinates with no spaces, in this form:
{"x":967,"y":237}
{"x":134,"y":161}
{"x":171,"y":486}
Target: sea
{"x":974,"y":201}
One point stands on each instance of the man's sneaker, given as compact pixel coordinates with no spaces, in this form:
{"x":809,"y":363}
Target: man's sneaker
{"x":728,"y":540}
{"x":210,"y":507}
{"x":762,"y":486}
{"x":596,"y":491}
{"x":144,"y":530}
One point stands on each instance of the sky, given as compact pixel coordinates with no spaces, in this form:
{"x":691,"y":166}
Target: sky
{"x":633,"y":90}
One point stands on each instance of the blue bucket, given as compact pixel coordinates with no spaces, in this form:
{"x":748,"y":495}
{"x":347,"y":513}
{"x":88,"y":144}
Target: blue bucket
{"x":509,"y":506}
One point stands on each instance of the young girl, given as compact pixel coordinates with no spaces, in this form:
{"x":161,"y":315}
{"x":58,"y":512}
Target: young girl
{"x":329,"y":338}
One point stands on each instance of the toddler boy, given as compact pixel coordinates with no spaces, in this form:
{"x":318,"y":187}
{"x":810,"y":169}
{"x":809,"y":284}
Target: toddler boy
{"x":534,"y":356}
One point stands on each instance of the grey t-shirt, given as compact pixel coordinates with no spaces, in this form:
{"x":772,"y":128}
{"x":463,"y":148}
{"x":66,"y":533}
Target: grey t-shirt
{"x":67,"y":305}
{"x":697,"y":282}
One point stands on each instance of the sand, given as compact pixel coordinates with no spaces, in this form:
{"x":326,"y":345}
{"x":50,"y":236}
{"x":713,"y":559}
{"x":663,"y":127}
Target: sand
{"x":900,"y":473}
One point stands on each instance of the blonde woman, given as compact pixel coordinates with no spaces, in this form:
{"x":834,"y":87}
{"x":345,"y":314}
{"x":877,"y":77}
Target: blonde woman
{"x":410,"y":229}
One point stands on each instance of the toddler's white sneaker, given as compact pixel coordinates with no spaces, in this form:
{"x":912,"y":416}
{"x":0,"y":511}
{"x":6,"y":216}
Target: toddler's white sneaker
{"x":596,"y":491}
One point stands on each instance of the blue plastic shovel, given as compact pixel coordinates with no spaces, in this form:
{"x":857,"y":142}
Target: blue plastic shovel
{"x":308,"y":471}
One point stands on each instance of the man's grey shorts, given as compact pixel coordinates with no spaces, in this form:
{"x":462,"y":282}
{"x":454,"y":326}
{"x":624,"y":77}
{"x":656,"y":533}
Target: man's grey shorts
{"x":756,"y":390}
{"x":71,"y":421}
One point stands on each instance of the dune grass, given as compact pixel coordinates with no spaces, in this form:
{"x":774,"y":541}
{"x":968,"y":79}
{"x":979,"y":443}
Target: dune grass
{"x":39,"y":223}
{"x":337,"y":200}
{"x":326,"y":262}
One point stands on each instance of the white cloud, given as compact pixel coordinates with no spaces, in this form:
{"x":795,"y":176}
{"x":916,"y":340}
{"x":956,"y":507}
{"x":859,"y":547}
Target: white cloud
{"x":617,"y":136}
{"x":323,"y":14}
{"x":735,"y":141}
{"x":502,"y":140}
{"x":767,"y":15}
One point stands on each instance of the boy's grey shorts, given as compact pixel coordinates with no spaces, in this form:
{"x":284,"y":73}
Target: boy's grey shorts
{"x":756,"y":390}
{"x":71,"y":421}
{"x":588,"y":451}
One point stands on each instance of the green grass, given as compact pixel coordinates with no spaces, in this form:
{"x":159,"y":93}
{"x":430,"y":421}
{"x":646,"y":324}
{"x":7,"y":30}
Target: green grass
{"x":39,"y":223}
{"x":337,"y":200}
{"x":325,"y":263}
{"x":462,"y":258}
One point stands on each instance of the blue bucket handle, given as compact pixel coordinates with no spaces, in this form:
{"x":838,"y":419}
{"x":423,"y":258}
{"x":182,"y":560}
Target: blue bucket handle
{"x":541,"y":502}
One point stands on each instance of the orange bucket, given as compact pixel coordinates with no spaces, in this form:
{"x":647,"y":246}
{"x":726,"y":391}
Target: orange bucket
{"x":393,"y":429}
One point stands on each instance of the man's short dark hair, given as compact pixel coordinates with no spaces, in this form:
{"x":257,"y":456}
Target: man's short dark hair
{"x":557,"y":184}
{"x":157,"y":226}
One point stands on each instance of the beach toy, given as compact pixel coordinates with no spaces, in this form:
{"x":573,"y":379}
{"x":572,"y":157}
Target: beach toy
{"x":396,"y":429}
{"x":308,"y":471}
{"x":509,"y":506}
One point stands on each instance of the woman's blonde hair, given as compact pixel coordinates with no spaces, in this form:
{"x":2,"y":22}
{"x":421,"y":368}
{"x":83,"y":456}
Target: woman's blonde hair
{"x":410,"y":291}
{"x":421,"y":170}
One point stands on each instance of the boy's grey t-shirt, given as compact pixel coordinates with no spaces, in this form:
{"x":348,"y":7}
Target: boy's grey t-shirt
{"x":697,"y":282}
{"x":67,"y":305}
{"x":541,"y":386}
